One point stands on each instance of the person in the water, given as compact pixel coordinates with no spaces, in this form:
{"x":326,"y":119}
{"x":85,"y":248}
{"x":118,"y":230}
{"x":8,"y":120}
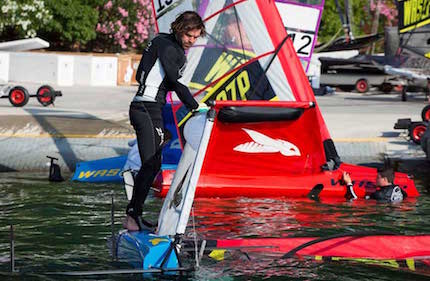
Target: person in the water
{"x":386,"y":190}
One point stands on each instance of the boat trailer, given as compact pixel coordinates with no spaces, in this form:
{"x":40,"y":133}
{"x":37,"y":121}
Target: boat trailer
{"x":19,"y":96}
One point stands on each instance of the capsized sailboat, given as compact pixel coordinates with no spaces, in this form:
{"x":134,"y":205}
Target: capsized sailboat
{"x":259,"y":148}
{"x":165,"y":248}
{"x":256,"y":147}
{"x":252,"y":152}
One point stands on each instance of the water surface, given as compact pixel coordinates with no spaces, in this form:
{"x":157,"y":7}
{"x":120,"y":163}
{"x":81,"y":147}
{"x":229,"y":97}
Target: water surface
{"x":67,"y":226}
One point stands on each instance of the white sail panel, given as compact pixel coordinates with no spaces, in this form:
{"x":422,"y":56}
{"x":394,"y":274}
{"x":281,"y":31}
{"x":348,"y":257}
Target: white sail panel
{"x":298,"y":17}
{"x":256,"y":30}
{"x":177,"y":206}
{"x":301,"y":20}
{"x":173,"y":203}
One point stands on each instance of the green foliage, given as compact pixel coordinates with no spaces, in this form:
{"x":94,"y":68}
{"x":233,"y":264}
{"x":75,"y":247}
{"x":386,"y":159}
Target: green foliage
{"x":361,"y":19}
{"x":330,"y":22}
{"x":73,"y":24}
{"x":22,"y":18}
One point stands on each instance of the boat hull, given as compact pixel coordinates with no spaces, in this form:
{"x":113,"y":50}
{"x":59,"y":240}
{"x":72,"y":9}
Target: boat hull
{"x":294,"y":186}
{"x":272,"y":149}
{"x":145,"y":250}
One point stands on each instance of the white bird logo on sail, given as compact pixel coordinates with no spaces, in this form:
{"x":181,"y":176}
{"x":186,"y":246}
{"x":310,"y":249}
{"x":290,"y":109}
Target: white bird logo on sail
{"x":264,"y":144}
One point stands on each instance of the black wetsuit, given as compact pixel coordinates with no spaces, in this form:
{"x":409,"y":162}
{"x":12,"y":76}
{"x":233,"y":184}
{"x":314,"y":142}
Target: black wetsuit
{"x":161,"y":66}
{"x":389,"y":194}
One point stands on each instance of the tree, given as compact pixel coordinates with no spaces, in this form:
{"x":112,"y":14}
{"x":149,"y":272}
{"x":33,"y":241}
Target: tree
{"x":330,"y":22}
{"x":124,"y":25}
{"x":22,"y":18}
{"x":73,"y":24}
{"x":376,"y":13}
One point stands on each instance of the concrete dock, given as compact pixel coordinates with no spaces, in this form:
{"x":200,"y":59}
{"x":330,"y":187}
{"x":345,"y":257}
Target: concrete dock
{"x":89,"y":123}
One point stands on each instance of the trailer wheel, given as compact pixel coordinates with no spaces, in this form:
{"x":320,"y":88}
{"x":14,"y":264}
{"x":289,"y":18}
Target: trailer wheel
{"x":416,"y":131}
{"x":45,"y":95}
{"x":398,"y":88}
{"x":18,"y":96}
{"x":425,"y":113}
{"x":362,"y":85}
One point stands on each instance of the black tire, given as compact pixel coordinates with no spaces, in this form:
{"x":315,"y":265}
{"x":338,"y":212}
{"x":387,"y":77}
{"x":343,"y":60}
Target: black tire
{"x":18,"y":96}
{"x":425,"y":113}
{"x":362,"y":85}
{"x":386,"y":87}
{"x":346,"y":88}
{"x":45,"y":100}
{"x":416,"y":131}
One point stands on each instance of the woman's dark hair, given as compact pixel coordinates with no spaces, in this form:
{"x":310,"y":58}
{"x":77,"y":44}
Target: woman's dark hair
{"x":187,"y":21}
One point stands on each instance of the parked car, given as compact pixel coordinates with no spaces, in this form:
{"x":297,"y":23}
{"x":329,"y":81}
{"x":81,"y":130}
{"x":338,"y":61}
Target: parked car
{"x":359,"y":73}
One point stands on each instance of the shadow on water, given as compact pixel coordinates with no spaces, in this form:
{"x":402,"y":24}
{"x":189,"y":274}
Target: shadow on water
{"x":4,"y":168}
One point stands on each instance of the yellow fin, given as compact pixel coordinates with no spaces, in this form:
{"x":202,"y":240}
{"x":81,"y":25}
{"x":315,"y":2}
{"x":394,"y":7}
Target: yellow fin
{"x":157,"y":241}
{"x":217,"y":255}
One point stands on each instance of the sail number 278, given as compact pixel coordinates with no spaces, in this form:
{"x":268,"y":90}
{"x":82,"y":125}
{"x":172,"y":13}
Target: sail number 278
{"x":240,"y":85}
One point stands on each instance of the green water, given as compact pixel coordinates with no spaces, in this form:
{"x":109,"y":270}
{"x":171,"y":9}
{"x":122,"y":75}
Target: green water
{"x":66,"y":227}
